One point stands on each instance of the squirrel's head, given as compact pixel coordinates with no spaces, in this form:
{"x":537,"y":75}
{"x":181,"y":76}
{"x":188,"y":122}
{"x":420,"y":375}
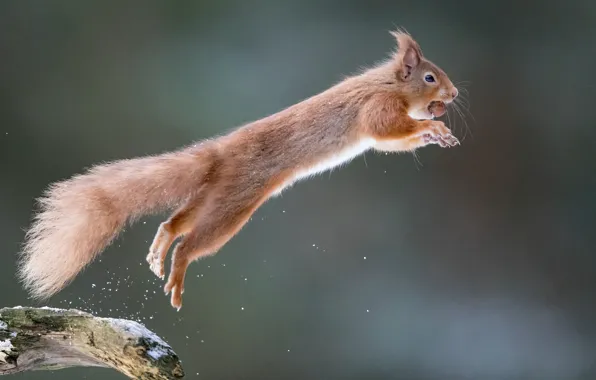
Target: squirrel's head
{"x":427,"y":87}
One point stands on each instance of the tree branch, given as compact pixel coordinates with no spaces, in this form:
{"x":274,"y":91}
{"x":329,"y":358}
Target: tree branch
{"x":50,"y":339}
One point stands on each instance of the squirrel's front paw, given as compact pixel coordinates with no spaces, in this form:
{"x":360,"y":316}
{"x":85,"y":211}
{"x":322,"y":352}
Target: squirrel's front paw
{"x":438,"y":133}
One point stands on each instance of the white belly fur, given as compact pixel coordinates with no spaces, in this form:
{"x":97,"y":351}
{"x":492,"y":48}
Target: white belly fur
{"x":342,"y":157}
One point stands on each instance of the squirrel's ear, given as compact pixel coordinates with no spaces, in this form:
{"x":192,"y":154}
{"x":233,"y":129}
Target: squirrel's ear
{"x":409,"y":53}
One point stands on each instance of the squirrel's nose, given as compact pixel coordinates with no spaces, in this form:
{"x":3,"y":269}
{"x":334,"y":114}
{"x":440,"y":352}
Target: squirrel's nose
{"x":454,"y":93}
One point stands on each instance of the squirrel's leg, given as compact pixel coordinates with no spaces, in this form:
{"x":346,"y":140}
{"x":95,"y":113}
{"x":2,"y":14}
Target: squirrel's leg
{"x":216,"y":227}
{"x":410,"y":144}
{"x":413,"y":134}
{"x":394,"y":130}
{"x":180,"y":223}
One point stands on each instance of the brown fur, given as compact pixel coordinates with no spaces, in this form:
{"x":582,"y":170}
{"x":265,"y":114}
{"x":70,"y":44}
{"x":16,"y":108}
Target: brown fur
{"x":217,"y":185}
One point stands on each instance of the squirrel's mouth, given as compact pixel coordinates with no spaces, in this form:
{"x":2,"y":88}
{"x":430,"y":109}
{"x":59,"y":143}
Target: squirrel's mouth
{"x":437,"y":108}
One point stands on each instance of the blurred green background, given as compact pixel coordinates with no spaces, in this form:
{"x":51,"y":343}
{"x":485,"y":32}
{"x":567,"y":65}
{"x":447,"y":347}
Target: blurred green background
{"x":472,"y":263}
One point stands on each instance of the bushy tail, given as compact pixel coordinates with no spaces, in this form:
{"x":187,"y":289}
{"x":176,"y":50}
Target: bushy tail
{"x":81,"y":216}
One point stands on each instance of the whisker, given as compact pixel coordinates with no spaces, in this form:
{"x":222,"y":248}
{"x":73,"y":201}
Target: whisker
{"x":416,"y":160}
{"x":466,"y":127}
{"x":461,"y":106}
{"x":466,"y":107}
{"x":457,"y":108}
{"x":463,"y":99}
{"x":463,"y":89}
{"x":453,"y":125}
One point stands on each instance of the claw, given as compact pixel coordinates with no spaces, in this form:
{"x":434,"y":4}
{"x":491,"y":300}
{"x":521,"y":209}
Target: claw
{"x":176,"y":299}
{"x":439,"y":134}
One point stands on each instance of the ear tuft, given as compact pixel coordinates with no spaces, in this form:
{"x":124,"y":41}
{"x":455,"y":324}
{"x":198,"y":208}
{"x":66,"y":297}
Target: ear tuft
{"x":409,"y":53}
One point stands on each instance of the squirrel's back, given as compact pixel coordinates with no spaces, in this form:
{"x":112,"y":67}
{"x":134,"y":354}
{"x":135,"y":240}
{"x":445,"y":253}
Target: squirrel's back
{"x":307,"y":138}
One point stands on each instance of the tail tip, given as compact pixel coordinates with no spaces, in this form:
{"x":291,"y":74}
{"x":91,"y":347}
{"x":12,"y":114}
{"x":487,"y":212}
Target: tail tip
{"x":37,"y":289}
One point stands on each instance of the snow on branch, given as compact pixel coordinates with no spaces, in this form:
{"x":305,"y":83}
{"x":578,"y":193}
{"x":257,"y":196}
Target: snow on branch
{"x":50,"y":339}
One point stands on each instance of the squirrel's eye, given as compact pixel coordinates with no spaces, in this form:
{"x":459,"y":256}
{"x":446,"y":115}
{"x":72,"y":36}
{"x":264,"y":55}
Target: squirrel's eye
{"x":429,"y":78}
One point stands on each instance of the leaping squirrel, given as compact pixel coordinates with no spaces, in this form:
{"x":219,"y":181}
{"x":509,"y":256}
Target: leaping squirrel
{"x":216,"y":185}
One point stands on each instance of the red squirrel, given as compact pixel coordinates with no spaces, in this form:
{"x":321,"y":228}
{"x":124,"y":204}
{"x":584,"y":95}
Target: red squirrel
{"x":217,"y":184}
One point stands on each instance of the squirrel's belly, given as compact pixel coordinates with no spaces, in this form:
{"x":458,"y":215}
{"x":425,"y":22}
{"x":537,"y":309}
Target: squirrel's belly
{"x":342,"y":157}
